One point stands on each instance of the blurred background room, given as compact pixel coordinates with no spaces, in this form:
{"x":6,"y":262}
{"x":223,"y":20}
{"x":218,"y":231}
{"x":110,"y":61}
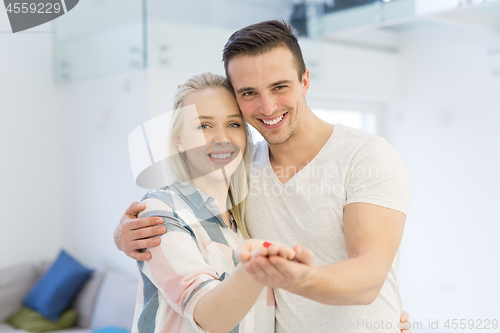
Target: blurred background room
{"x":424,"y":74}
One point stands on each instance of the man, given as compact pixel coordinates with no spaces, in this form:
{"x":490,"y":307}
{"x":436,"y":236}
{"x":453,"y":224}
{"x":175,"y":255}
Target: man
{"x":340,"y":192}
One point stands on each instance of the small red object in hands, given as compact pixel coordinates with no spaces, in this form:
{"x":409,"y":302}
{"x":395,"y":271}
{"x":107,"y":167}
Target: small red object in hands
{"x":266,"y":244}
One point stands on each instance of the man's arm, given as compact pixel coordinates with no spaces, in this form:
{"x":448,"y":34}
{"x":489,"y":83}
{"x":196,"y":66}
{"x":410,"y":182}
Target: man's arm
{"x":133,"y":234}
{"x":372,"y":236}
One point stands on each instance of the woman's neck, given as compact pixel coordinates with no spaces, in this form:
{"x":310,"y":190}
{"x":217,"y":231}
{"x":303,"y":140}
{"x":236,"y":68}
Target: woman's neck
{"x":214,"y":187}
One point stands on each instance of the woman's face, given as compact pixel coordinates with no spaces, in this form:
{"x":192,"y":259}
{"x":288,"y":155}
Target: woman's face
{"x":212,"y":136}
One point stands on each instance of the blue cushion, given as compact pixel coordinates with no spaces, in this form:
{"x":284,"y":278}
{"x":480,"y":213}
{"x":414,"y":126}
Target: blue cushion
{"x":55,"y":290}
{"x":111,"y":329}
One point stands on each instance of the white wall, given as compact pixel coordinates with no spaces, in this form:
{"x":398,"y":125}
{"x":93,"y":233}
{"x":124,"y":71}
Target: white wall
{"x":354,"y":73}
{"x":31,"y":190}
{"x":445,"y":126}
{"x":64,"y":173}
{"x":99,"y":185}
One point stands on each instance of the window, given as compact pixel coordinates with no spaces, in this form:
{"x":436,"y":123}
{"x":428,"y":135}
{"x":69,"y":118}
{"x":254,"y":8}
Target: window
{"x":365,"y":121}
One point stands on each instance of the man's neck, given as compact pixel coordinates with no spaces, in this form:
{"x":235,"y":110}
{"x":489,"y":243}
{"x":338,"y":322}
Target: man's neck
{"x":308,"y":139}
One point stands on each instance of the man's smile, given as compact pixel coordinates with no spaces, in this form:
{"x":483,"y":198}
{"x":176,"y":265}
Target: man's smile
{"x":273,"y":122}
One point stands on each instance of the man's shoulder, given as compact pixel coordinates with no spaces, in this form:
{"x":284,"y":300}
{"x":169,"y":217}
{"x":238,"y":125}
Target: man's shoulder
{"x":350,"y":139}
{"x":349,"y":133}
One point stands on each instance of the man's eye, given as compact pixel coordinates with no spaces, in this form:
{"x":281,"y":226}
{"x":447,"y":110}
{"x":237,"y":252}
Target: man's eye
{"x":280,"y":87}
{"x":248,"y":93}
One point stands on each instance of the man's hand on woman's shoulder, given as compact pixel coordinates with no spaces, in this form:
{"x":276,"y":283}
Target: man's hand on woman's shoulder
{"x":134,"y":234}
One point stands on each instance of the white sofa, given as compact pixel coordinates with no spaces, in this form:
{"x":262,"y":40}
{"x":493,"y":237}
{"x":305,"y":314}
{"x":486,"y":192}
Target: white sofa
{"x":106,"y":299}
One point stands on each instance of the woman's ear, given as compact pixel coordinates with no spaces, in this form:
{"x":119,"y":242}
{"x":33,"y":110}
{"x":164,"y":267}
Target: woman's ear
{"x":178,"y":143}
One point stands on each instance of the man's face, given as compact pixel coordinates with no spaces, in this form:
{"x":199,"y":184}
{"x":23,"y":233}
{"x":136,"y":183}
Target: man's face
{"x":269,"y":93}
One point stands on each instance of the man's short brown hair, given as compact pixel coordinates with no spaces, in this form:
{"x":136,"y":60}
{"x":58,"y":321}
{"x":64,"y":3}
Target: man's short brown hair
{"x":260,"y":38}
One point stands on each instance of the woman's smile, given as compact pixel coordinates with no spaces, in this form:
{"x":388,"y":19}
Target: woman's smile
{"x":221,"y":157}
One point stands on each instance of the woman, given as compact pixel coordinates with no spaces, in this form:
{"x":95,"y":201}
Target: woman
{"x":186,"y":286}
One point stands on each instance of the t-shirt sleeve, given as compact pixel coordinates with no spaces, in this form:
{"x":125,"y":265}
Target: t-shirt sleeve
{"x":177,"y":268}
{"x":377,"y":175}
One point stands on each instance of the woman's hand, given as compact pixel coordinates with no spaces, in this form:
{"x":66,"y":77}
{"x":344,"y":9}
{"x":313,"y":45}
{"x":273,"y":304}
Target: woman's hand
{"x":252,"y":248}
{"x":134,"y":234}
{"x":277,"y":272}
{"x":405,"y":325}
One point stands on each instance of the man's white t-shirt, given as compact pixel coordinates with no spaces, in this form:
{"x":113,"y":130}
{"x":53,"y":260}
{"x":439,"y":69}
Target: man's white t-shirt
{"x":353,"y":166}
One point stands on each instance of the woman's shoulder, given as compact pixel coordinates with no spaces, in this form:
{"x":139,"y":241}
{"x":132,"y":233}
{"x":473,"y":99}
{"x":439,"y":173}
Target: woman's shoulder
{"x":163,"y":198}
{"x":159,"y":193}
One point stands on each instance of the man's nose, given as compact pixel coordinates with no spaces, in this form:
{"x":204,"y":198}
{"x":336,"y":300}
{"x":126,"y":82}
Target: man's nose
{"x":267,"y":105}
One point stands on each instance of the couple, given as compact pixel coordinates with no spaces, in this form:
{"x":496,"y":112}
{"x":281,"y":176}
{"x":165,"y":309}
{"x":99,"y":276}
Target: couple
{"x":340,"y":192}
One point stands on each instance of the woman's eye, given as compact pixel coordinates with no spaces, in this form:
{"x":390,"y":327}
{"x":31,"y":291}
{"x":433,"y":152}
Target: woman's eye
{"x":235,"y":125}
{"x":205,"y":126}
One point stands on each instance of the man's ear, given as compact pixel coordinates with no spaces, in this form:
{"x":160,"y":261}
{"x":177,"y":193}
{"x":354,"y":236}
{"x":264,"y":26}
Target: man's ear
{"x":178,"y":143}
{"x":305,"y":82}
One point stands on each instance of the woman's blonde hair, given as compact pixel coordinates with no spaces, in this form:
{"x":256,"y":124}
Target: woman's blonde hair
{"x":238,"y":185}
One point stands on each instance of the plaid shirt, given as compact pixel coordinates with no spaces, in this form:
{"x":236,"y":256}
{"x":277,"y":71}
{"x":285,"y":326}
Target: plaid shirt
{"x":195,"y":255}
